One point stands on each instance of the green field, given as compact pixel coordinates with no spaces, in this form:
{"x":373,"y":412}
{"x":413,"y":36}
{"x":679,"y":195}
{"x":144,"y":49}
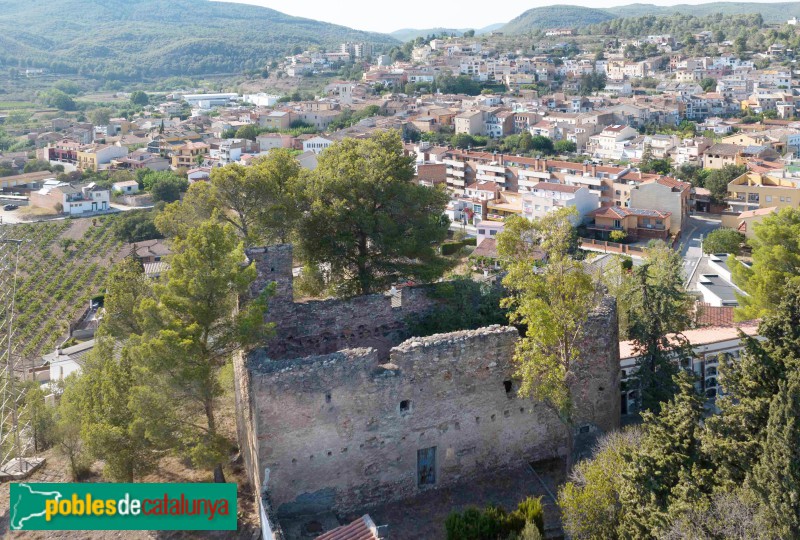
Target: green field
{"x":16,"y":105}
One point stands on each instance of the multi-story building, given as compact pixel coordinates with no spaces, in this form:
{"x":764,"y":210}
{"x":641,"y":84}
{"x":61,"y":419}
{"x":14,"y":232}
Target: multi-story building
{"x":189,"y":154}
{"x":756,"y":190}
{"x":709,"y":346}
{"x":95,"y":156}
{"x":545,"y":197}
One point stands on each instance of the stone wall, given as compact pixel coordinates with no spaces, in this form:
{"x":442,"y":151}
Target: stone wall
{"x":326,"y":326}
{"x":342,"y":431}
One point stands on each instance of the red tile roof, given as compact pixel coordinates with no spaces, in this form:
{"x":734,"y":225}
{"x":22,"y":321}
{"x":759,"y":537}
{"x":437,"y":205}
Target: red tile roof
{"x":621,"y":212}
{"x":361,"y":529}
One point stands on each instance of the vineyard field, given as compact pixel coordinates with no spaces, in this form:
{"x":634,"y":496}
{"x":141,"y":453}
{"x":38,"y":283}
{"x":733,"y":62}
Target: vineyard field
{"x":62,"y":265}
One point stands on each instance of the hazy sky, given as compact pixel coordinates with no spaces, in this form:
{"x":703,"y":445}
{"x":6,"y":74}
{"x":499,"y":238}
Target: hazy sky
{"x":389,"y":15}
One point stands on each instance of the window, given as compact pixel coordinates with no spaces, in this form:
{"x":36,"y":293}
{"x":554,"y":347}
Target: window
{"x":769,"y":198}
{"x":492,"y":233}
{"x":481,"y":231}
{"x":327,"y":397}
{"x":617,"y":224}
{"x":508,"y":385}
{"x":405,"y":406}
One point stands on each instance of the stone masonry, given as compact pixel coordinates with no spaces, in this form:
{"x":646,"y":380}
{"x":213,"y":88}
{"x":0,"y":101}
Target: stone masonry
{"x":381,"y":420}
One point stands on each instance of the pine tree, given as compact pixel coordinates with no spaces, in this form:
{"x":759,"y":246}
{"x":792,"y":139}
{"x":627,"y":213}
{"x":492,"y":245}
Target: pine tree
{"x":192,"y":327}
{"x":667,"y":466}
{"x":776,"y":477}
{"x":734,"y":437}
{"x":659,"y":310}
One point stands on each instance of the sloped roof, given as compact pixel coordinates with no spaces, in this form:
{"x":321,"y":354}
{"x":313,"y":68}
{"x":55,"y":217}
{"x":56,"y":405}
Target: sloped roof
{"x":361,"y":529}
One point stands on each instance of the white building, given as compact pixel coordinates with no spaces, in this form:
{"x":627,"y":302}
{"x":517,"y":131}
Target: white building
{"x":546,"y":197}
{"x":207,"y":101}
{"x":708,"y":346}
{"x":316,"y":144}
{"x":261,"y":99}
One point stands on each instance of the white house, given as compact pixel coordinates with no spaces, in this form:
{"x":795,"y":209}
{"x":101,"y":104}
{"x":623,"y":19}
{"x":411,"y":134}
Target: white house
{"x":316,"y":144}
{"x":68,"y":199}
{"x":63,"y":362}
{"x":128,"y":187}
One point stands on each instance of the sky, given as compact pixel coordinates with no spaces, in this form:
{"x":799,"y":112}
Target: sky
{"x":388,"y":16}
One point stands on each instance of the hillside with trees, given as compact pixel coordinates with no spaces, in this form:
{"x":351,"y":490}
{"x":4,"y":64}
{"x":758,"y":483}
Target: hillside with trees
{"x":555,"y":17}
{"x":576,"y":17}
{"x":135,"y":39}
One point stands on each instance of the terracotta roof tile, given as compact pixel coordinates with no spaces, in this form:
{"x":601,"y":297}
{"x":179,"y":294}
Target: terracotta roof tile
{"x":360,"y":529}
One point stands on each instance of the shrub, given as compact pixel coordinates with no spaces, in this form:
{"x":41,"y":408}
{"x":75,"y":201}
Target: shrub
{"x":448,"y":248}
{"x":617,"y":236}
{"x":494,"y":523}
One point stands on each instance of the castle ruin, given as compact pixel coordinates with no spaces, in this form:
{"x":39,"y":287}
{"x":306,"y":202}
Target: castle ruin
{"x":345,"y":410}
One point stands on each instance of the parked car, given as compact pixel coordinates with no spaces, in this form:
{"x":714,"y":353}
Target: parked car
{"x":10,"y":207}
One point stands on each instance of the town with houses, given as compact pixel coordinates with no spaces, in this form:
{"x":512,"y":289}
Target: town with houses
{"x":663,"y":150}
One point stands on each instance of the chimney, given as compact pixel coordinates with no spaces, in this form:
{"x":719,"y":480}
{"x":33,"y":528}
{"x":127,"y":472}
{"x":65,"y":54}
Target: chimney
{"x":544,"y":165}
{"x":585,"y":167}
{"x":594,"y":169}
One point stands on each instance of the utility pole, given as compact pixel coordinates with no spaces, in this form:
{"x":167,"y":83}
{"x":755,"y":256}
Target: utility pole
{"x":9,"y":406}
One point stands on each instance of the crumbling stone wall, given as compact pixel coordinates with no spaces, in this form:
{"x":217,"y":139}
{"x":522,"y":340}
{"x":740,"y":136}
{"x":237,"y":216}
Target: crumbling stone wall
{"x":338,"y":406}
{"x":326,"y":326}
{"x":342,"y":431}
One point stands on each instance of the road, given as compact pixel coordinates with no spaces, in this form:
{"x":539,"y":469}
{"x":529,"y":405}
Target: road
{"x":698,"y":228}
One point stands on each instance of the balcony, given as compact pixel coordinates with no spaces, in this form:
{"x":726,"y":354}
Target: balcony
{"x":453,"y":172}
{"x":490,"y":178}
{"x":492,"y":168}
{"x":453,"y":163}
{"x":456,"y":182}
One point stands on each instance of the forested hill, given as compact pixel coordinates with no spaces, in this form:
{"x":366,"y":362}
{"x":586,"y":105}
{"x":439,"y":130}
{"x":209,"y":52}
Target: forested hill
{"x":557,"y":16}
{"x":560,"y":16}
{"x":128,"y":39}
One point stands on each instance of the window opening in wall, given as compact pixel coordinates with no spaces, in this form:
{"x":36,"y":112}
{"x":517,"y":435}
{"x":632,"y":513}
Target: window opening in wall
{"x":405,"y":406}
{"x":426,"y":466}
{"x":508,"y":386}
{"x":327,"y":397}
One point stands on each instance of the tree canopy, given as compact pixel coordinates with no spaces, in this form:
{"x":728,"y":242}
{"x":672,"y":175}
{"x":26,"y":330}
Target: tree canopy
{"x":368,"y":220}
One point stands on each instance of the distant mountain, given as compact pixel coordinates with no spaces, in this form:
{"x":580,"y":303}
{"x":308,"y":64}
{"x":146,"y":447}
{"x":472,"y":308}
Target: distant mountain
{"x":407,"y":34}
{"x":558,"y":16}
{"x":771,"y":12}
{"x":130,"y":39}
{"x":575,"y":16}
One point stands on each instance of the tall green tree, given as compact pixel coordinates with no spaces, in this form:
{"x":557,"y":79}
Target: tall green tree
{"x":776,"y":264}
{"x":659,"y":309}
{"x":283,"y":196}
{"x":776,"y":477}
{"x":736,"y":435}
{"x":723,"y":241}
{"x":110,"y":428}
{"x":126,"y":287}
{"x":263,"y":202}
{"x":368,"y":220}
{"x":717,"y":181}
{"x":191,"y":328}
{"x":552,"y":303}
{"x":668,"y":471}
